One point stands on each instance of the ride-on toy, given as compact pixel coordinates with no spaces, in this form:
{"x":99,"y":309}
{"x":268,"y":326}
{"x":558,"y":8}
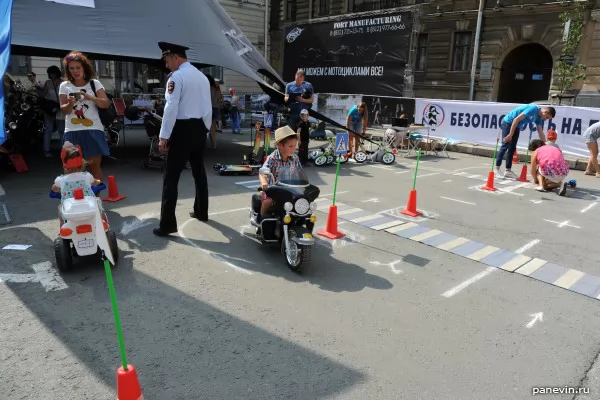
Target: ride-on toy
{"x":326,"y":154}
{"x":80,"y":229}
{"x":292,"y":219}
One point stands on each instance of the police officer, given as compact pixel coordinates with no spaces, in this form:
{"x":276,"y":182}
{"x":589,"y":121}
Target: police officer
{"x":186,"y":119}
{"x":299,"y":95}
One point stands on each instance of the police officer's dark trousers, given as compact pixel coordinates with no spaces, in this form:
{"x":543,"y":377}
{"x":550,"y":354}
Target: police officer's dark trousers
{"x":187,"y":142}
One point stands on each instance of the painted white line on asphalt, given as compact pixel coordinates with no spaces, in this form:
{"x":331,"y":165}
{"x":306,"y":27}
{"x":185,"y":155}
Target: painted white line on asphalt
{"x":228,"y":211}
{"x":47,"y":276}
{"x":527,"y":246}
{"x":136,"y":223}
{"x":448,"y":180}
{"x":371,"y":200}
{"x":562,"y":224}
{"x":536,"y":317}
{"x":218,"y":256}
{"x":536,"y":201}
{"x":464,"y":169}
{"x":423,"y":176}
{"x":514,"y":187}
{"x":462,"y":286}
{"x":402,"y":172}
{"x":588,"y":208}
{"x":331,"y":194}
{"x":459,"y":201}
{"x":391,"y":265}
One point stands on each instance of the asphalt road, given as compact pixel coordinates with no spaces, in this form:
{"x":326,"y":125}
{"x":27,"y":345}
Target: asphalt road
{"x":211,"y":314}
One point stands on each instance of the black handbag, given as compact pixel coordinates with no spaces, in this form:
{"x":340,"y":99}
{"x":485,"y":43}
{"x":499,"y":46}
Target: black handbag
{"x":107,"y":115}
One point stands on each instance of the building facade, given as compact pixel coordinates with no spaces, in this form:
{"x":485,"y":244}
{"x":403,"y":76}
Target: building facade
{"x":130,"y":77}
{"x":520,"y":45}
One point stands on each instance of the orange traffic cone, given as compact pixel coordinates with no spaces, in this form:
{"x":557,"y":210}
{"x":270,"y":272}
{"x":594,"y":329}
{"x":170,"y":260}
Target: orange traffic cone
{"x":515,"y":158}
{"x":331,"y":230}
{"x":128,"y":386}
{"x":490,"y":183}
{"x":411,"y":207}
{"x":523,"y":177}
{"x":113,"y":190}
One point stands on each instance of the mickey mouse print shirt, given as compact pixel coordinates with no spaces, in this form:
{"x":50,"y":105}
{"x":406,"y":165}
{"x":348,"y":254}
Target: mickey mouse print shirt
{"x":85,"y":113}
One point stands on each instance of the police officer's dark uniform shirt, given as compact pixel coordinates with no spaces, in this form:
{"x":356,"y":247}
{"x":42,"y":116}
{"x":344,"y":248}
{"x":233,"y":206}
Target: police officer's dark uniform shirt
{"x":294,"y":91}
{"x":187,"y":96}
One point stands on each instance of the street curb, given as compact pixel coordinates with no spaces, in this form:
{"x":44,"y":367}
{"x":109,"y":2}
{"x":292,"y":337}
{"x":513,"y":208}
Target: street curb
{"x":477,"y":150}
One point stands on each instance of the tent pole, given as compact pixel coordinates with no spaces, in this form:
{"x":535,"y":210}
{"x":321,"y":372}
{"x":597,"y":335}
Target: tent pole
{"x":266,"y":30}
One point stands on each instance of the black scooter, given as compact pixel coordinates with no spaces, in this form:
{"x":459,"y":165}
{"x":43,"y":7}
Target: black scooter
{"x":292,"y":217}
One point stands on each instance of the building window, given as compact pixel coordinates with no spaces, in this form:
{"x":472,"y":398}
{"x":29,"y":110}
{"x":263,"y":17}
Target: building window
{"x":421,"y":52}
{"x":103,"y":68}
{"x":461,"y":52}
{"x":215,"y":72}
{"x":290,"y":10}
{"x":321,"y":8}
{"x":19,"y":65}
{"x":374,"y":5}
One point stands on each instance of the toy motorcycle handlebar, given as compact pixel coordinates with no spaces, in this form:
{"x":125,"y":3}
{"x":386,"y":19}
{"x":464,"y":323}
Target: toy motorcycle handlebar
{"x":95,"y":189}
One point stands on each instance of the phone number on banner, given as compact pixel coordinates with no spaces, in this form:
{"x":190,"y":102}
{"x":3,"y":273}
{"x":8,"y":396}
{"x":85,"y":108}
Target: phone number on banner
{"x":345,"y":31}
{"x":385,"y":28}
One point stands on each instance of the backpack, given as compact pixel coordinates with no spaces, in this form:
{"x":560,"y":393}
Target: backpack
{"x":107,"y":115}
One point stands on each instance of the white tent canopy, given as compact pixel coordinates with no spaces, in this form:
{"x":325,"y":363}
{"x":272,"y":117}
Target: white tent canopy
{"x":131,"y":29}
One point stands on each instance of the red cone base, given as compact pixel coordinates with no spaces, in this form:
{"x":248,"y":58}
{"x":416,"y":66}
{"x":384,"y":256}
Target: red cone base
{"x":113,"y":190}
{"x":490,"y":183}
{"x":411,"y":207}
{"x":523,"y":177}
{"x":331,"y":230}
{"x":128,"y":386}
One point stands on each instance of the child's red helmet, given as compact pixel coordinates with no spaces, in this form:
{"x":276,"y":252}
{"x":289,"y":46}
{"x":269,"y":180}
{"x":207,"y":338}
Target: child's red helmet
{"x":552,"y":134}
{"x":72,"y":163}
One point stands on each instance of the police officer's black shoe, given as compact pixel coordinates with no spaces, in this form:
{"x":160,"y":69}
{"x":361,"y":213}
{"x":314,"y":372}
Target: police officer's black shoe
{"x":162,"y":232}
{"x":203,"y":218}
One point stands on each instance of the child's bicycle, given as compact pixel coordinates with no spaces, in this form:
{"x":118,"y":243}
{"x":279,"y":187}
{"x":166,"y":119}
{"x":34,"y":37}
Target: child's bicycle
{"x":78,"y":234}
{"x":326,"y":155}
{"x":383,"y":153}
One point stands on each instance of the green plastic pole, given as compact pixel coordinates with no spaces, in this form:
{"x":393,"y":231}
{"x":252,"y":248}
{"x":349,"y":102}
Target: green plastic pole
{"x":113,"y":300}
{"x":495,"y":151}
{"x":416,"y":169}
{"x":337,"y":172}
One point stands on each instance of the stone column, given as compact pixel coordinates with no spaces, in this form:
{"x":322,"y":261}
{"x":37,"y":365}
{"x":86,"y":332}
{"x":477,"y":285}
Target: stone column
{"x":589,"y":95}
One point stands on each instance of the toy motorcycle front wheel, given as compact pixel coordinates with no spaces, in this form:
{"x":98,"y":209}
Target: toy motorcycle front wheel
{"x":63,"y":255}
{"x":321,"y":160}
{"x":388,"y":158}
{"x":297,"y":256}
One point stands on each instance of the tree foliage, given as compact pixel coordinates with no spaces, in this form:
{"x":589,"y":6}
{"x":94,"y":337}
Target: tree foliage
{"x":570,"y":72}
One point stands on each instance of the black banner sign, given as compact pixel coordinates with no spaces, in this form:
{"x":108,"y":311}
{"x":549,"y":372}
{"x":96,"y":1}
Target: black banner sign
{"x":357,"y":55}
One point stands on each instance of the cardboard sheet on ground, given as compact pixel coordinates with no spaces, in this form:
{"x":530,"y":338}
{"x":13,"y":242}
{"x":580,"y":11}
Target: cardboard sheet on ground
{"x":101,"y":238}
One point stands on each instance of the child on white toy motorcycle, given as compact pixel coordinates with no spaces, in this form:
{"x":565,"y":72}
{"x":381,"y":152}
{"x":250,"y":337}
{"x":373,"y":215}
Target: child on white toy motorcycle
{"x":75,"y":177}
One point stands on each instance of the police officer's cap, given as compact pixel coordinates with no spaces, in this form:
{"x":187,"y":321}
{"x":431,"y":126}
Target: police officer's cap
{"x":170,"y":48}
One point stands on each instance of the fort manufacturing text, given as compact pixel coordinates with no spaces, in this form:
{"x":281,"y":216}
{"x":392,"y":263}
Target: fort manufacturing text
{"x":344,"y":71}
{"x":368,"y":22}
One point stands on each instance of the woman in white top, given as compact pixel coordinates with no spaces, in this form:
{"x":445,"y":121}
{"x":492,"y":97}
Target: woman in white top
{"x":80,"y":106}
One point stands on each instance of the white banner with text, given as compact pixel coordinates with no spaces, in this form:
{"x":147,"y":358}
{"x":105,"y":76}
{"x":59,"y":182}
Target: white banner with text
{"x":479,"y":122}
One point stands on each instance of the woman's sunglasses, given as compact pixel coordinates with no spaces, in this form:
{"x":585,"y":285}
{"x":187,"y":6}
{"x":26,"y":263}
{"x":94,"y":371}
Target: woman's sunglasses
{"x":73,"y":58}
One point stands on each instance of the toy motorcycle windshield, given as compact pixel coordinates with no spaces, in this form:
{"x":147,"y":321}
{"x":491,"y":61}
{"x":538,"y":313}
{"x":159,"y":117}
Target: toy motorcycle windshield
{"x":292,"y":176}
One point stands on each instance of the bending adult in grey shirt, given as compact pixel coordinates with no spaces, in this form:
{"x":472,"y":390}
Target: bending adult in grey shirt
{"x":590,"y":136}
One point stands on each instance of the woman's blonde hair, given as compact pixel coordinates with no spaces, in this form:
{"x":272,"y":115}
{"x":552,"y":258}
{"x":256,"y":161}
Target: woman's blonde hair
{"x":88,"y":70}
{"x":363,"y":104}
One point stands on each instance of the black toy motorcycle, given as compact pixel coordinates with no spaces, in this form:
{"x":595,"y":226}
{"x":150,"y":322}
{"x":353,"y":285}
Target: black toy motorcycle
{"x":292,"y":217}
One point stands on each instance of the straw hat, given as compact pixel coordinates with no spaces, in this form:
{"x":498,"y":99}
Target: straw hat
{"x":283,"y":132}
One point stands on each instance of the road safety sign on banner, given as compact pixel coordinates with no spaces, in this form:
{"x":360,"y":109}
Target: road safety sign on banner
{"x":341,"y":143}
{"x":268,"y":120}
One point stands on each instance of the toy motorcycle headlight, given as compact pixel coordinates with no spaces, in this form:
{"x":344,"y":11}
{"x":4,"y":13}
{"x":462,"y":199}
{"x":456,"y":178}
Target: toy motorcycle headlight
{"x":288,"y":206}
{"x":12,"y":125}
{"x":313,"y":206}
{"x":302,"y":206}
